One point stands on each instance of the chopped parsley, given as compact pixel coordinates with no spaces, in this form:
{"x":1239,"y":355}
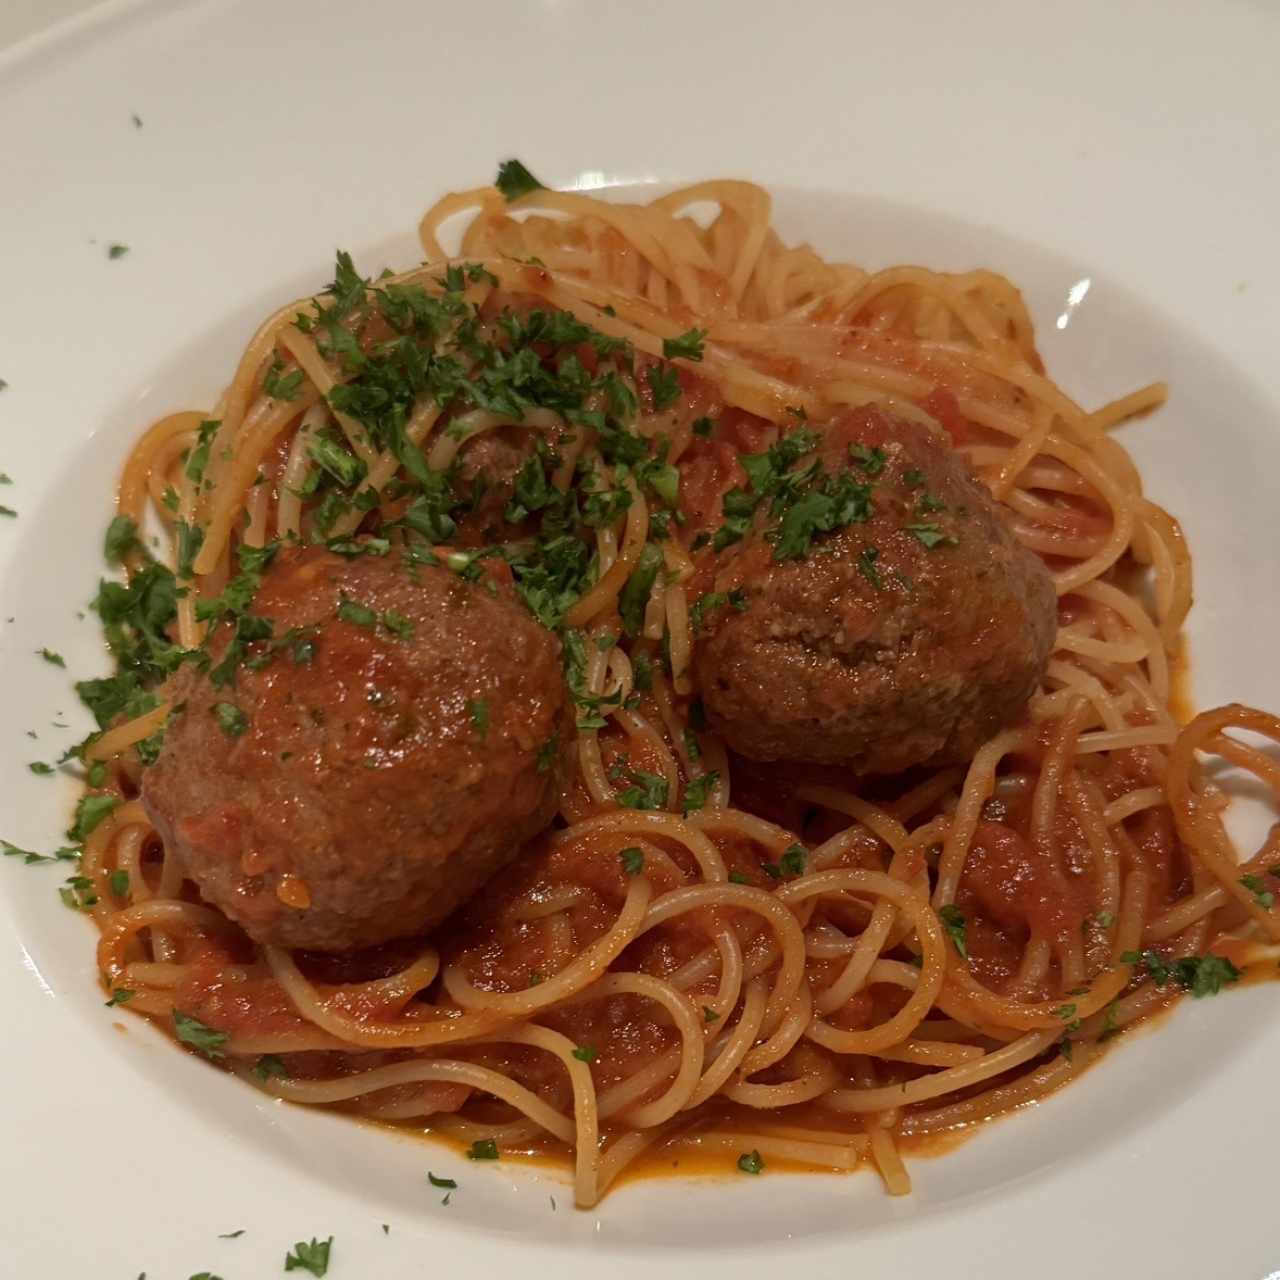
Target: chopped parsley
{"x":514,"y":181}
{"x":688,"y":346}
{"x":641,"y":672}
{"x":78,"y":893}
{"x":1200,"y":975}
{"x":804,"y":501}
{"x":353,"y":548}
{"x":791,"y":863}
{"x":66,"y":854}
{"x":190,"y":540}
{"x":635,"y":594}
{"x":703,"y":427}
{"x":119,"y":995}
{"x":340,"y":463}
{"x":751,"y":1162}
{"x":359,"y":614}
{"x":793,"y":860}
{"x":115,"y":251}
{"x":269,"y":1065}
{"x":664,"y":385}
{"x":280,"y":385}
{"x":698,"y":790}
{"x":445,"y":1184}
{"x":914,"y":478}
{"x":1109,"y":1027}
{"x":867,"y":558}
{"x":953,"y":922}
{"x":312,"y":1257}
{"x":632,"y":860}
{"x":585,"y":1053}
{"x":90,"y":813}
{"x":399,"y":626}
{"x":121,"y":538}
{"x":119,"y":881}
{"x":870,"y":460}
{"x":648,"y":791}
{"x":231,"y":720}
{"x":483,"y":1149}
{"x":930,"y":535}
{"x":1261,"y":894}
{"x":478,"y":710}
{"x":41,"y":769}
{"x":204,"y":1039}
{"x":709,"y":1014}
{"x":54,"y":659}
{"x":546,"y":755}
{"x":199,"y":458}
{"x":737,"y":877}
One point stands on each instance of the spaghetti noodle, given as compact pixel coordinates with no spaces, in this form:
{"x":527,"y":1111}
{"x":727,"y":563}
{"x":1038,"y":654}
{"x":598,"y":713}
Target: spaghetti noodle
{"x":771,"y":965}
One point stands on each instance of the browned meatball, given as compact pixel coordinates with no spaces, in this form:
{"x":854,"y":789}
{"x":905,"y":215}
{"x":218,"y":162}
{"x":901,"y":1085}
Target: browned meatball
{"x":393,"y":754}
{"x":906,"y":639}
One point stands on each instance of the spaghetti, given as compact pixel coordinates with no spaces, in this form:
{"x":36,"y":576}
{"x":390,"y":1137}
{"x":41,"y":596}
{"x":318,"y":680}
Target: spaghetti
{"x":782,"y":965}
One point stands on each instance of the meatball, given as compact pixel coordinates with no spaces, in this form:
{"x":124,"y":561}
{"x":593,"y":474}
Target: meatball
{"x":388,"y":750}
{"x":908,"y":638}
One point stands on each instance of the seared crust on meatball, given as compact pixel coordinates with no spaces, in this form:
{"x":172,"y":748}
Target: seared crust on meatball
{"x":907,"y":639}
{"x":396,"y":751}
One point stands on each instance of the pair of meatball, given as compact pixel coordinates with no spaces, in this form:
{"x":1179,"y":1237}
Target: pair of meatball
{"x":377,"y":770}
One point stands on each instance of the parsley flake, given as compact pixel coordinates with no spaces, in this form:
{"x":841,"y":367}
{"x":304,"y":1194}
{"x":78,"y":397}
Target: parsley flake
{"x":648,"y":791}
{"x":478,"y":710}
{"x":280,"y":385}
{"x":1200,"y":975}
{"x":312,"y":1257}
{"x":1261,"y":894}
{"x":664,"y":385}
{"x":231,"y":720}
{"x":867,"y":558}
{"x":751,"y":1162}
{"x":205,"y":1040}
{"x":514,"y":181}
{"x":953,"y":922}
{"x":688,"y":346}
{"x":930,"y":535}
{"x":90,"y":813}
{"x":359,"y":614}
{"x":698,"y":790}
{"x":870,"y":460}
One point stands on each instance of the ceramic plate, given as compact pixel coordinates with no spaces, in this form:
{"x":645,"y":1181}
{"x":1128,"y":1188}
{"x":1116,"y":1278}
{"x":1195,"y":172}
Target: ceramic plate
{"x":1117,"y":161}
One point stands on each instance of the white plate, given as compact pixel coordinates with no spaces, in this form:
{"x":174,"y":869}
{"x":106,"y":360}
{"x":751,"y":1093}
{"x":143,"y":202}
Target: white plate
{"x":1133,"y":149}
